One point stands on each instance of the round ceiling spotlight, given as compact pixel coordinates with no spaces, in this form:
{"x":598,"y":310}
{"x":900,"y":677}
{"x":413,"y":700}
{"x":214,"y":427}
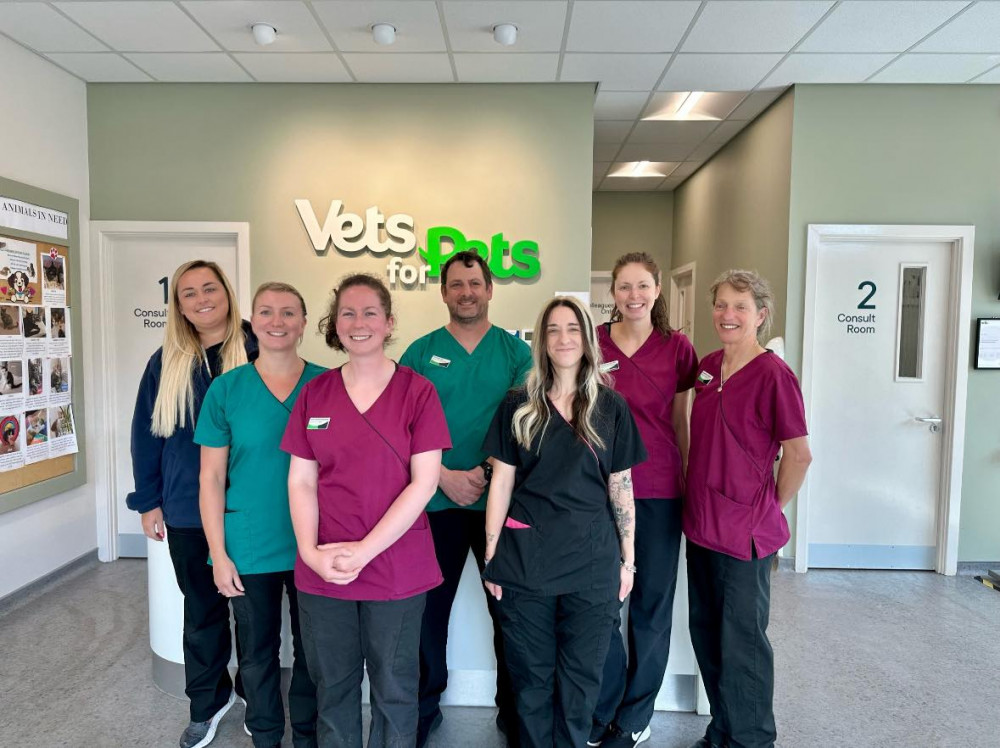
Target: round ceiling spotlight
{"x":384,"y":33}
{"x":264,"y":33}
{"x":505,"y":34}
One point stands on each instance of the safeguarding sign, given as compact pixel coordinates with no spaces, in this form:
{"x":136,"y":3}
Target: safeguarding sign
{"x":15,"y":214}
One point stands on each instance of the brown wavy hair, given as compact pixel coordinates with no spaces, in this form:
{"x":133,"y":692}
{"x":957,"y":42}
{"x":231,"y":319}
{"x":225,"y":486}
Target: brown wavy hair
{"x":660,"y":315}
{"x":328,"y":325}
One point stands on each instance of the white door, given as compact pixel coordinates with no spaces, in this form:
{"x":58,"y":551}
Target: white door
{"x":682,"y":300}
{"x":139,"y":267}
{"x":878,"y":410}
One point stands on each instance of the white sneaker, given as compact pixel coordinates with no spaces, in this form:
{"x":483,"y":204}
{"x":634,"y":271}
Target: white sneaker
{"x":200,"y":734}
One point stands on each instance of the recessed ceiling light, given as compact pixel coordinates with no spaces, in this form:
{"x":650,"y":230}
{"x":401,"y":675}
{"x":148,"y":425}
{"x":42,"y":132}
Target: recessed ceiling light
{"x":685,"y":109}
{"x":636,"y":169}
{"x":688,"y":106}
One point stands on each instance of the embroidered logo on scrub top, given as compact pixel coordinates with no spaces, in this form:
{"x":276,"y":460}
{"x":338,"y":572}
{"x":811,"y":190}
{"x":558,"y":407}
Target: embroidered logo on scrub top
{"x":318,"y":424}
{"x":444,"y":363}
{"x":705,"y":377}
{"x":609,"y":366}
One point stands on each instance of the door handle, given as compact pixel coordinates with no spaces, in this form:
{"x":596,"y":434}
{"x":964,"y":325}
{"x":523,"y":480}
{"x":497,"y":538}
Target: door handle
{"x":933,"y":421}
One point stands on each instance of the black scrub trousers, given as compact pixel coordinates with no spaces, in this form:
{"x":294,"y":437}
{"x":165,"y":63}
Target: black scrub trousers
{"x":730,"y":603}
{"x":557,"y":562}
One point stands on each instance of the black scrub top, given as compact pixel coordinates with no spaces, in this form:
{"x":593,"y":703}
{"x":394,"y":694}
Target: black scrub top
{"x":560,"y":492}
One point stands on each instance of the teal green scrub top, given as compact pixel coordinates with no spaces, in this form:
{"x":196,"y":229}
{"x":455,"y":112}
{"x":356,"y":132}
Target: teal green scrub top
{"x":240,"y":412}
{"x":471,"y":386}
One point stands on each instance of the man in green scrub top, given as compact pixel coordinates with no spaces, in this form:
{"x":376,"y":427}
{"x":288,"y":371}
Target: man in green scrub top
{"x":472,"y":364}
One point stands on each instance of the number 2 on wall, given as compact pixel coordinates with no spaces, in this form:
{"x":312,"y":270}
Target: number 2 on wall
{"x":163,"y":282}
{"x":861,"y":286}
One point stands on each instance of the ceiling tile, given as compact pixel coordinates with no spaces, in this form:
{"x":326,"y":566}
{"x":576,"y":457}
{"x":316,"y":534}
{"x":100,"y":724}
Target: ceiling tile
{"x":197,"y":67}
{"x":630,"y":184}
{"x":540,"y":24}
{"x":596,"y":183}
{"x":99,"y":67}
{"x":612,"y":131}
{"x":755,"y":103}
{"x":685,"y":169}
{"x":600,"y":169}
{"x":400,"y":68}
{"x":672,"y":131}
{"x":670,"y":184}
{"x":717,"y":72}
{"x":619,"y":104}
{"x":605,"y":151}
{"x":38,"y":26}
{"x":655,"y":152}
{"x":310,"y":67}
{"x":230,"y":22}
{"x":754,"y":25}
{"x":629,"y":25}
{"x":140,"y":26}
{"x":713,"y":105}
{"x":615,"y":72}
{"x":418,"y":27}
{"x":705,"y":151}
{"x":991,"y":76}
{"x":936,"y":68}
{"x":823,"y":68}
{"x":619,"y":169}
{"x":726,"y":131}
{"x":506,"y":68}
{"x":976,"y":30}
{"x":879,"y":25}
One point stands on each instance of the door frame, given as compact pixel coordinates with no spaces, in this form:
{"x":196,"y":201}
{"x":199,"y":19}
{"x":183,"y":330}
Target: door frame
{"x":673,"y":301}
{"x":962,"y":242}
{"x":102,"y":236}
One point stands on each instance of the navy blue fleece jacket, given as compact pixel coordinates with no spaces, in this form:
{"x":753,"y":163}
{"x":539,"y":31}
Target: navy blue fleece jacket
{"x":166,"y":470}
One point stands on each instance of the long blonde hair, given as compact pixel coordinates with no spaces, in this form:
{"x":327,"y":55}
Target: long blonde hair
{"x":183,"y":354}
{"x":533,"y":416}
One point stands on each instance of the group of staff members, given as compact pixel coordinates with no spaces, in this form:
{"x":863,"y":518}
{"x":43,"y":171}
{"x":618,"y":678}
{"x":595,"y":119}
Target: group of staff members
{"x":568,"y":469}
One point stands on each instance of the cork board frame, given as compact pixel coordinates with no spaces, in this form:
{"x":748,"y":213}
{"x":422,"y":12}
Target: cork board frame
{"x":42,"y":480}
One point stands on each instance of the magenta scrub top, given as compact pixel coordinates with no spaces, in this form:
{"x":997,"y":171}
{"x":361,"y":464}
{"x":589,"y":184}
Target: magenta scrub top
{"x":648,"y":379}
{"x":731,"y":505}
{"x":364,"y":464}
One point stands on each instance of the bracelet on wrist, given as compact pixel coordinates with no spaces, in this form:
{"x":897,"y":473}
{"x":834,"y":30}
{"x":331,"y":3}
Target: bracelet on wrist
{"x":628,"y":567}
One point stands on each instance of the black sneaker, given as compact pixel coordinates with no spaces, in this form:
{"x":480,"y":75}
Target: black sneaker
{"x":426,"y":725}
{"x":618,"y":738}
{"x":597,"y":734}
{"x":200,"y":734}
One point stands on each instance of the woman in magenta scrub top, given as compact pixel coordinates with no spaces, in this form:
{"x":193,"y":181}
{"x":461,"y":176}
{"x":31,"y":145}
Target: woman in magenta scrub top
{"x":366,"y":442}
{"x":747,"y":408}
{"x":654,"y":368}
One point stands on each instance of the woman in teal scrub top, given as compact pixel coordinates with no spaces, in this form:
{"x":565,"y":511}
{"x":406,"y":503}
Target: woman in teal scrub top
{"x":244,"y":509}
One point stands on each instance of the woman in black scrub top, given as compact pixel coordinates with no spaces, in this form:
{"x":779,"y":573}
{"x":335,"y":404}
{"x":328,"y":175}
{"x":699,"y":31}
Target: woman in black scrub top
{"x":560,"y":525}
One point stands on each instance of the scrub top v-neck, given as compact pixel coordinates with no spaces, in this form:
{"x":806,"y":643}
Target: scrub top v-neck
{"x":241,"y":413}
{"x":648,"y":380}
{"x":470,"y":386}
{"x":737,"y":428}
{"x":564,"y":538}
{"x":364,"y":464}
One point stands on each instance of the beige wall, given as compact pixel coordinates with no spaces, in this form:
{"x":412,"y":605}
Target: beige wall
{"x":483,"y":159}
{"x":911,"y":155}
{"x":43,"y":143}
{"x":733,"y":213}
{"x":632,"y":222}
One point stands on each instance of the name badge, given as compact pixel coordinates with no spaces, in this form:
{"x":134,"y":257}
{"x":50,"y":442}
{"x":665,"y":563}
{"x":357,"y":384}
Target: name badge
{"x":705,"y":377}
{"x":444,"y":363}
{"x":318,"y":424}
{"x":609,"y":366}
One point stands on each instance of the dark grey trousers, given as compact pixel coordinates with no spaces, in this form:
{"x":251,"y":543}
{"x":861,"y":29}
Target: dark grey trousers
{"x":342,"y":638}
{"x":730,"y":603}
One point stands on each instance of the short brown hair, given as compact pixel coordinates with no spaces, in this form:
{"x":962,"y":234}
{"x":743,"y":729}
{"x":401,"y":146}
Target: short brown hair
{"x":749,"y":280}
{"x":277,"y":287}
{"x":328,"y":325}
{"x":467,"y":258}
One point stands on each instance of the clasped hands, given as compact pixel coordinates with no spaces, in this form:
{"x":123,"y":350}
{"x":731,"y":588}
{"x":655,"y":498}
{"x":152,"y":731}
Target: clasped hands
{"x":339,"y":563}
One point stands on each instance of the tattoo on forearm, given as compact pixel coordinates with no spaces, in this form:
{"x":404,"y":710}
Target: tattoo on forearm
{"x":622,"y":503}
{"x":490,"y":537}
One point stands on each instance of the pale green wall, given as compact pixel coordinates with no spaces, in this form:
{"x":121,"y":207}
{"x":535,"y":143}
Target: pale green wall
{"x":484,"y":159}
{"x":733,"y":213}
{"x":632,"y":222}
{"x":911,"y":155}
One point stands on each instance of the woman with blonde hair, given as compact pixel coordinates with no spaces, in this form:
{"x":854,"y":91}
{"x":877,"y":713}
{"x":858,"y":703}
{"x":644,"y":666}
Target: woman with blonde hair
{"x":204,"y":338}
{"x":244,"y":510}
{"x":560,"y":525}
